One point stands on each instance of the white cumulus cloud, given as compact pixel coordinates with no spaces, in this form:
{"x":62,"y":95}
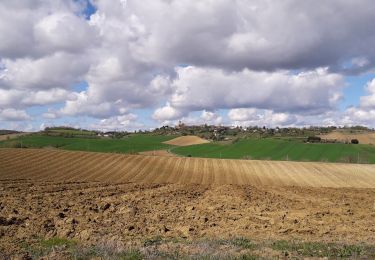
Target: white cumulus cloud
{"x":11,"y":114}
{"x":180,"y":57}
{"x":198,"y":88}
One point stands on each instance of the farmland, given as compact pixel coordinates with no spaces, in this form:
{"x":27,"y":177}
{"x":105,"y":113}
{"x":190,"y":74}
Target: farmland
{"x":186,"y":141}
{"x":61,"y":165}
{"x":123,"y":198}
{"x":345,"y":136}
{"x":91,"y":219}
{"x":100,"y":204}
{"x":11,"y":136}
{"x":131,"y":144}
{"x":282,"y":149}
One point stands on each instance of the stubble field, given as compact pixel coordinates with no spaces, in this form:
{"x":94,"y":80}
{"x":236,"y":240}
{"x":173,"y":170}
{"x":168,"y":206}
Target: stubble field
{"x":58,"y":165}
{"x":362,"y":137}
{"x":11,"y":136}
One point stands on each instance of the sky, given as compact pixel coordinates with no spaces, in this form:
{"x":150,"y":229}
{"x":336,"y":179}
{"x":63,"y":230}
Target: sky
{"x":131,"y":64}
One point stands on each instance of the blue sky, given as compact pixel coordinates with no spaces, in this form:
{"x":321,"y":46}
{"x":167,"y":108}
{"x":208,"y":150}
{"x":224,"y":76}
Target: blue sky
{"x":89,"y":9}
{"x":355,"y":89}
{"x":128,"y":65}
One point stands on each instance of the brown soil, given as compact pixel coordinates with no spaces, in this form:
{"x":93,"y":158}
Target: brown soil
{"x":363,"y":138}
{"x":129,"y":214}
{"x":187,"y":140}
{"x":97,"y":198}
{"x":59,"y":165}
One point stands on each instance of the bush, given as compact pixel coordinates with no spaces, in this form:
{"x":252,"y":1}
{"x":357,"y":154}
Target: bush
{"x":354,"y":141}
{"x":314,"y":139}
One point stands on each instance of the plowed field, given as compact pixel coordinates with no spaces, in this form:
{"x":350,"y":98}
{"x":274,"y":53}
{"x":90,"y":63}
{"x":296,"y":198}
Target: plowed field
{"x":89,"y":198}
{"x":126,"y":215}
{"x":57,"y":165}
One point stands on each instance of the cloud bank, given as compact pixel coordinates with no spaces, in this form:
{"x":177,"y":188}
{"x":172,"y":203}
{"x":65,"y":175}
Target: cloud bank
{"x":261,"y":62}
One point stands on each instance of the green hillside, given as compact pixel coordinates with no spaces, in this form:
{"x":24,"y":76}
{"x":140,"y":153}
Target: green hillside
{"x":281,"y":149}
{"x":130,"y":144}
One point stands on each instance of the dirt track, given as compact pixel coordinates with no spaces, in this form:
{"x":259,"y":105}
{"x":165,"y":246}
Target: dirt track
{"x":61,"y":165}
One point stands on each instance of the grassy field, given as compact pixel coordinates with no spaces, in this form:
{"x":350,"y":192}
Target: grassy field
{"x":282,"y":149}
{"x":131,"y":144}
{"x":262,"y":149}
